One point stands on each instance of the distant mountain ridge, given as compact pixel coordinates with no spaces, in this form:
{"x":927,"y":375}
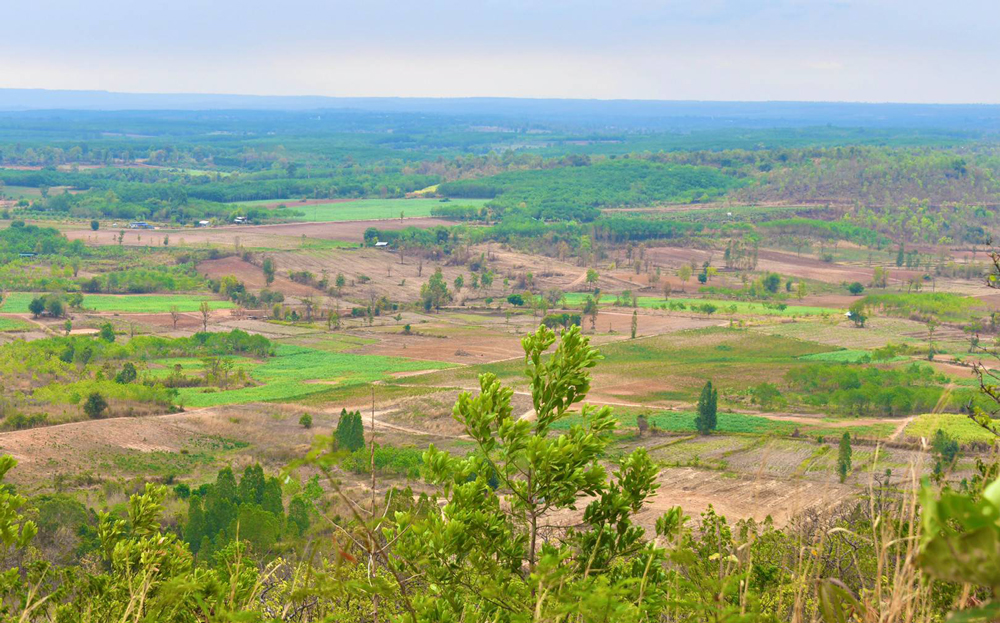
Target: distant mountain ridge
{"x":652,"y":113}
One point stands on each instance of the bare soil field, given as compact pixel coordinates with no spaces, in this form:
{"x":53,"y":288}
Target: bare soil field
{"x":283,"y":236}
{"x":252,"y":276}
{"x":751,"y":495}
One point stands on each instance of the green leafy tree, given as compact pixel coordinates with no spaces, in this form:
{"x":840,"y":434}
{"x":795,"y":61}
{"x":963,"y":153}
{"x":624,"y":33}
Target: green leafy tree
{"x":306,"y":421}
{"x":95,"y":405}
{"x":36,"y":306}
{"x":95,"y":225}
{"x":487,"y":551}
{"x":856,"y":288}
{"x":858,"y":313}
{"x":127,"y":374}
{"x":267,"y":266}
{"x":298,"y":514}
{"x":844,"y":457}
{"x":945,"y":450}
{"x":107,"y":332}
{"x":707,"y":419}
{"x":350,"y":433}
{"x":434,"y":293}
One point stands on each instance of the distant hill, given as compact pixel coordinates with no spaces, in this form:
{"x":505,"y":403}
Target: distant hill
{"x":624,"y":113}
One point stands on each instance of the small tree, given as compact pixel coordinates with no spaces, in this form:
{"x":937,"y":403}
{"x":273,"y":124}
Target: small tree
{"x":434,"y":293}
{"x":944,"y":449}
{"x":127,"y":374}
{"x":844,"y":457}
{"x":107,"y":332}
{"x":306,"y":421}
{"x":684,"y":274}
{"x":706,"y":420}
{"x":268,"y":268}
{"x":68,"y":326}
{"x":592,"y":276}
{"x":36,"y":306}
{"x":95,"y":225}
{"x":857,"y":314}
{"x":350,"y":433}
{"x":635,"y":323}
{"x":205,"y":310}
{"x":95,"y":405}
{"x":54,"y":306}
{"x":175,"y":315}
{"x":856,"y":288}
{"x":642,"y":423}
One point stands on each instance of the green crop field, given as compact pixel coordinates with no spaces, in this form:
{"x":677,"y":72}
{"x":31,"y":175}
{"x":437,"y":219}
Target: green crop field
{"x":959,"y":426}
{"x":297,"y":371}
{"x":13,"y":324}
{"x":17,"y":303}
{"x":737,"y":423}
{"x":848,"y":356}
{"x":723,"y":307}
{"x":364,"y":209}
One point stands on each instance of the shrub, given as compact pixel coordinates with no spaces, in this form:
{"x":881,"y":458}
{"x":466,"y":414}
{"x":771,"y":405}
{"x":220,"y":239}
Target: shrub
{"x":306,"y":421}
{"x":95,"y":406}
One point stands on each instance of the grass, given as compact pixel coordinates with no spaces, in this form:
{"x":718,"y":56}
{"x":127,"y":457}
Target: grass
{"x":297,"y":371}
{"x":13,"y":324}
{"x":737,"y":424}
{"x":667,"y":367}
{"x":743,"y":308}
{"x":17,"y":303}
{"x":848,"y":356}
{"x":957,"y":425}
{"x":204,"y":452}
{"x":363,"y":209}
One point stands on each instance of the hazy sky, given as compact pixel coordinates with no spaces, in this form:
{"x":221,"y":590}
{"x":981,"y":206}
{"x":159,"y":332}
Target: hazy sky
{"x":845,"y":50}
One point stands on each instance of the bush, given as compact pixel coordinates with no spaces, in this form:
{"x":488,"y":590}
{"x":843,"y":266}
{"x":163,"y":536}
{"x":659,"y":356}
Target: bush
{"x":95,"y":406}
{"x":306,"y":421}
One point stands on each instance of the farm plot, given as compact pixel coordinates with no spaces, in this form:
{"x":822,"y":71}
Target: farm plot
{"x":957,"y":425}
{"x":722,"y":307}
{"x":708,"y":451}
{"x":297,"y":371}
{"x":362,"y":209}
{"x":640,"y":371}
{"x":12,"y":325}
{"x":17,"y":303}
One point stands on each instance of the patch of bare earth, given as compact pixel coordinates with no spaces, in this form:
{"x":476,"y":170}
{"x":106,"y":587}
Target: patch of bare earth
{"x":252,"y":276}
{"x":284,"y":235}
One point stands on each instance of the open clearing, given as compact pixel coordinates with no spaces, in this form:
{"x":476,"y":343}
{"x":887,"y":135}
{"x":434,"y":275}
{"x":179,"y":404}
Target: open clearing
{"x":17,"y":303}
{"x":362,"y":209}
{"x":280,"y":236}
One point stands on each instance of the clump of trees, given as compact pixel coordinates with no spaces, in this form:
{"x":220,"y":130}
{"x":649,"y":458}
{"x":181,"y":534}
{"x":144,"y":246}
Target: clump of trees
{"x":350,"y":432}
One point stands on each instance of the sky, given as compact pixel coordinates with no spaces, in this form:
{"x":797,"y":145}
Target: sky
{"x":927,"y":51}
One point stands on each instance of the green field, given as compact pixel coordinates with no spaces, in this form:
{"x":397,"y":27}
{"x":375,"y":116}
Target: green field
{"x":737,"y":423}
{"x":17,"y":303}
{"x":958,"y":425}
{"x":668,"y":367}
{"x":849,"y":356}
{"x":362,"y":209}
{"x":742,"y":308}
{"x":297,"y":371}
{"x":13,"y":324}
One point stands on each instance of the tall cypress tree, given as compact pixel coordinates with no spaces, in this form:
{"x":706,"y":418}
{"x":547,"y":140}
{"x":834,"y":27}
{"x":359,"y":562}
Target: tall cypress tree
{"x":844,"y":457}
{"x":706,"y":420}
{"x":350,"y":433}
